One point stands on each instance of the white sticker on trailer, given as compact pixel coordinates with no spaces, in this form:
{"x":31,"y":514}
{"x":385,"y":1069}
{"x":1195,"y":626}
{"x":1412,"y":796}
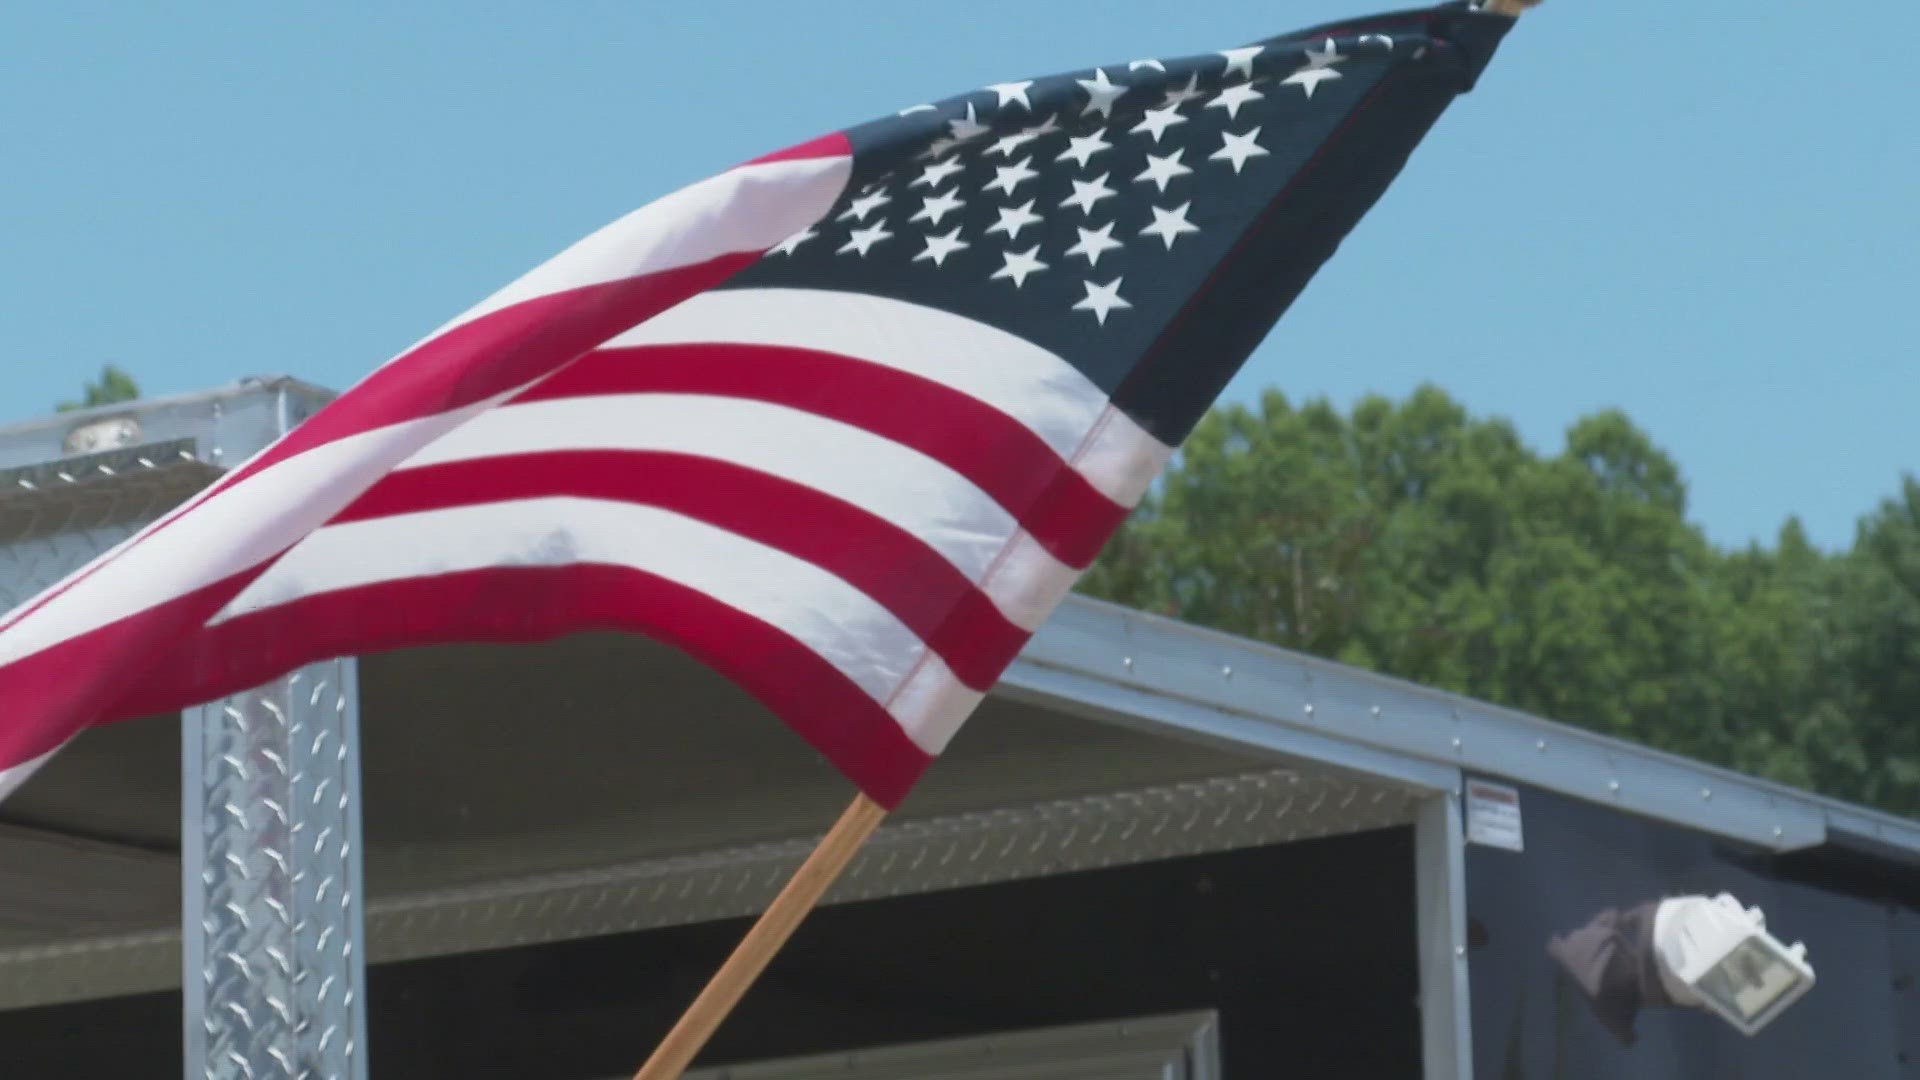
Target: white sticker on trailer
{"x":1493,"y":815}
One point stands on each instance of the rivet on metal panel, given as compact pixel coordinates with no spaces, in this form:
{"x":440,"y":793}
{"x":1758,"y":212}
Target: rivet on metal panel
{"x":1309,"y":711}
{"x":1706,"y":793}
{"x":1778,"y":832}
{"x":1376,"y":712}
{"x":1226,"y":671}
{"x":1456,"y":742}
{"x":1613,"y":785}
{"x":1540,"y":745}
{"x":1127,"y":662}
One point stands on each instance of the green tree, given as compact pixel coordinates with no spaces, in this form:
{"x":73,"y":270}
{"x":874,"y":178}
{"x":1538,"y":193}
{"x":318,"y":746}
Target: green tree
{"x":1412,"y":538}
{"x":112,"y":387}
{"x":1877,"y":609}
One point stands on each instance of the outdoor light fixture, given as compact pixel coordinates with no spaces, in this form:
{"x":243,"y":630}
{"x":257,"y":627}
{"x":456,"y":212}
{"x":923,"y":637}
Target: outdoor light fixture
{"x":1702,"y":952}
{"x":1715,"y":953}
{"x":109,"y":434}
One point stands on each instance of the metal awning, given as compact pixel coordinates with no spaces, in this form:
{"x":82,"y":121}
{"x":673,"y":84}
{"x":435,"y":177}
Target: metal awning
{"x":603,"y":784}
{"x":606,"y":785}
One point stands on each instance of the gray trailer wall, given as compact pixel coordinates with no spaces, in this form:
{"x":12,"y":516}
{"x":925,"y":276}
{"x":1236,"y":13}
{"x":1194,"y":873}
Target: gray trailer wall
{"x":1530,"y":1023}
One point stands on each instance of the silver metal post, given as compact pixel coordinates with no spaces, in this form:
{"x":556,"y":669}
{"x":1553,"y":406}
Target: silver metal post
{"x":274,"y":968}
{"x":1441,"y":901}
{"x":272,"y":915}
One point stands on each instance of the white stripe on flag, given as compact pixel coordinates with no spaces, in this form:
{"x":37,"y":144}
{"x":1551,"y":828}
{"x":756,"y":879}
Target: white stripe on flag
{"x":236,"y":528}
{"x":831,"y":618}
{"x":12,"y":778}
{"x":1027,"y":582}
{"x":836,"y":621}
{"x":749,"y":208}
{"x":1043,"y":392}
{"x":889,"y":480}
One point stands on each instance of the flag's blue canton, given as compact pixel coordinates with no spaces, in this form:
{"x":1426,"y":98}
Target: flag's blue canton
{"x":1089,"y":213}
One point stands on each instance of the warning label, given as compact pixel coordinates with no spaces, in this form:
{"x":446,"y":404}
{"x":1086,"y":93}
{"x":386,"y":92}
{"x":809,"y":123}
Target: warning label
{"x":1493,"y":815}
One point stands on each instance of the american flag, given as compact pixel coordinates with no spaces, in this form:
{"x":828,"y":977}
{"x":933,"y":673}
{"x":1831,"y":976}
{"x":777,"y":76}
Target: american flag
{"x":844,"y":423}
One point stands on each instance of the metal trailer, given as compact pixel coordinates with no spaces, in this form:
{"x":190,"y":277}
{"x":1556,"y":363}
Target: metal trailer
{"x":1157,"y":851}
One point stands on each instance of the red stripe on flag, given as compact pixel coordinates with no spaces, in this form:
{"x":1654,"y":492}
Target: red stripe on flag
{"x":835,"y":145}
{"x":998,"y":454}
{"x":53,"y":694}
{"x":899,"y":571}
{"x":499,"y":351}
{"x":473,"y":362}
{"x":519,"y":605}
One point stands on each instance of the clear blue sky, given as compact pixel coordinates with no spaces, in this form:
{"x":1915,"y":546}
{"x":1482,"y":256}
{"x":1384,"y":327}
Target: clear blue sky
{"x":1702,"y":211}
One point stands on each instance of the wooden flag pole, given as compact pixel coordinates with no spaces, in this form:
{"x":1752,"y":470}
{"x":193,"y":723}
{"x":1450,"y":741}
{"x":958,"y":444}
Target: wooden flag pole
{"x":776,"y":925}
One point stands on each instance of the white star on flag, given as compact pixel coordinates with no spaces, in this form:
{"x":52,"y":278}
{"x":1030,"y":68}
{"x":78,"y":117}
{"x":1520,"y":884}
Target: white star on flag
{"x":1045,"y":127}
{"x":862,"y":240}
{"x":1233,"y":97}
{"x":939,"y":247}
{"x":967,"y":128}
{"x":1013,"y":219}
{"x":1319,"y":69}
{"x":1094,"y":243}
{"x":787,"y":246}
{"x":1007,"y":144}
{"x":1161,"y":171}
{"x":1011,"y":92}
{"x":1088,"y":192}
{"x":1081,"y":148}
{"x":1241,"y":60}
{"x":937,"y":173}
{"x":1236,"y":149}
{"x":937,"y":207}
{"x":864,"y":205}
{"x":1180,"y":95}
{"x":1008,"y":177}
{"x":1102,"y":299}
{"x":936,"y":148}
{"x":1101,"y":93}
{"x":1020,"y":264}
{"x":1157,"y":121}
{"x":1168,"y":224}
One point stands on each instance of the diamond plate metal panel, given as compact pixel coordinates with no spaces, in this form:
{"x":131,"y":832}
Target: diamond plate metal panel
{"x":56,"y":518}
{"x":275,"y":982}
{"x":271,"y":877}
{"x":909,"y":857}
{"x":903,"y":858}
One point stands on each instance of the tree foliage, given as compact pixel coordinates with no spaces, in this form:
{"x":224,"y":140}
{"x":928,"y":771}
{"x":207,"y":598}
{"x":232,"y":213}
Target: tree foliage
{"x":112,"y":387}
{"x":1413,"y":538}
